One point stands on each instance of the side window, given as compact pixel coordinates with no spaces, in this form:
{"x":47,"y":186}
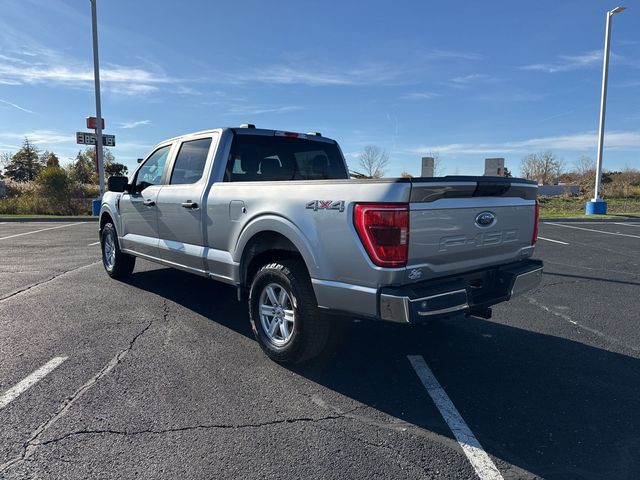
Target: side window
{"x":150,"y":172}
{"x":190,"y":162}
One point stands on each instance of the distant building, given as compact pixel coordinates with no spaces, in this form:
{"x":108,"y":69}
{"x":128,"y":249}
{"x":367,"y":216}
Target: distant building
{"x":494,"y":167}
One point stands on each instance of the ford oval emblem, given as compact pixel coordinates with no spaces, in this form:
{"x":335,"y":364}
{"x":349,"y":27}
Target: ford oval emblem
{"x":485,"y":219}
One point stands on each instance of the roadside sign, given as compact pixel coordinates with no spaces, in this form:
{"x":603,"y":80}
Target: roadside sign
{"x":86,"y":138}
{"x":93,"y":123}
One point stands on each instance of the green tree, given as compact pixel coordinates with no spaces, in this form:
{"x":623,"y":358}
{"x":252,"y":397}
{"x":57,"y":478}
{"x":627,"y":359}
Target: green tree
{"x":25,"y":164}
{"x":83,"y":168}
{"x":49,"y":159}
{"x":111,"y":167}
{"x":54,"y":183}
{"x":115,"y":169}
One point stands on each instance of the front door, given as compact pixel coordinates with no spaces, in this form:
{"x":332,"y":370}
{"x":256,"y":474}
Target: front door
{"x":138,"y":208}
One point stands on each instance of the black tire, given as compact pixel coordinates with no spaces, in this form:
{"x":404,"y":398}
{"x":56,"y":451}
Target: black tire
{"x":122,"y":265}
{"x":310,"y":330}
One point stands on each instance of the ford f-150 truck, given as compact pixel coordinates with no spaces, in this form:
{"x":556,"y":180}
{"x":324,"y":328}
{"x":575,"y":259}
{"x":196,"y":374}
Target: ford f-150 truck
{"x":277,"y":215}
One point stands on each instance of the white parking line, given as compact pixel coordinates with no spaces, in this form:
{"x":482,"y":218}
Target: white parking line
{"x":30,"y":381}
{"x":628,"y":224}
{"x":41,"y":230}
{"x":94,"y":243}
{"x":550,"y":240}
{"x":588,"y":230}
{"x":480,"y":461}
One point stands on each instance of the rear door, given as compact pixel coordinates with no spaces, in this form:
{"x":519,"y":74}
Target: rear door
{"x":180,"y":204}
{"x":469,"y":223}
{"x":138,"y":211}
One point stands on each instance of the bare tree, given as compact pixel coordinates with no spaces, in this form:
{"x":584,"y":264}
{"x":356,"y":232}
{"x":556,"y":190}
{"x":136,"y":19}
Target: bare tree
{"x":585,"y":173}
{"x":438,"y":167}
{"x":406,"y":175}
{"x":585,"y":166}
{"x":373,"y":161}
{"x":544,"y":167}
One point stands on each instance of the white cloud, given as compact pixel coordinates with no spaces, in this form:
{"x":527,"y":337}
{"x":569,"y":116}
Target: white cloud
{"x":40,"y":136}
{"x":26,"y":110}
{"x":565,"y":63}
{"x":465,"y":81}
{"x":367,"y":74}
{"x":50,"y":66}
{"x":260,"y":110}
{"x":134,"y":124}
{"x":438,"y":54}
{"x":628,"y":140}
{"x":420,"y":96}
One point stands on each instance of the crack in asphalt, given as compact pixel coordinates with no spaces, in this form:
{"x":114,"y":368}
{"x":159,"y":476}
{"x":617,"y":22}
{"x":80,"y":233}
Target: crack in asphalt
{"x":562,"y":282}
{"x":37,"y":284}
{"x":398,"y":426}
{"x":592,"y":268}
{"x":187,"y":428}
{"x":31,"y":445}
{"x":600,"y":334}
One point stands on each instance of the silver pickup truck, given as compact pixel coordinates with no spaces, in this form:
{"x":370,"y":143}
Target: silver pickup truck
{"x":276,"y":214}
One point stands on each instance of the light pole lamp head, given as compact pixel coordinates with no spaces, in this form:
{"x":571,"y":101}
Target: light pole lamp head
{"x":616,"y":10}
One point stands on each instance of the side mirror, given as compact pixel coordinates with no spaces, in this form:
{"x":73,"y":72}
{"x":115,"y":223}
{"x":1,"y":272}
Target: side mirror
{"x":117,"y":184}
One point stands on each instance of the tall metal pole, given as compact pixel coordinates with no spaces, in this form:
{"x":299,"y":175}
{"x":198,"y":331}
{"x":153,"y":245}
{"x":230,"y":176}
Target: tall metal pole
{"x":96,"y":75}
{"x":603,"y":107}
{"x":603,"y":101}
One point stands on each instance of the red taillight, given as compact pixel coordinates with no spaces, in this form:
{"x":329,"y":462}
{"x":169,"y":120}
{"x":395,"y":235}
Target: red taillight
{"x":383,"y":229}
{"x":534,"y":238}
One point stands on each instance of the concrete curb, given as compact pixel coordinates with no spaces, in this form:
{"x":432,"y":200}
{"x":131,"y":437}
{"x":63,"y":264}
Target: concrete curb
{"x":48,"y":219}
{"x":590,"y":220}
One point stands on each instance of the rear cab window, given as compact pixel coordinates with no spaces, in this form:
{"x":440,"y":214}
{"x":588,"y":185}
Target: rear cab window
{"x":272,"y":158}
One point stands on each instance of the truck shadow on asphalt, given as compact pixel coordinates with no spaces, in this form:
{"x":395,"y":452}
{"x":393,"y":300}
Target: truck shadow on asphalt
{"x":552,"y":406}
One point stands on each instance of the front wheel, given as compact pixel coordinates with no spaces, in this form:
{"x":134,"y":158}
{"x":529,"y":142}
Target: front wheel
{"x":117,"y":264}
{"x":284,"y":313}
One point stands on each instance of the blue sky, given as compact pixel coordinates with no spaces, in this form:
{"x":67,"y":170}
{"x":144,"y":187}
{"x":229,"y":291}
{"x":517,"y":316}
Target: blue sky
{"x":467,"y":79}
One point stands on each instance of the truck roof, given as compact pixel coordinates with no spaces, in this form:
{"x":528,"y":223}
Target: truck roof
{"x":251,"y":130}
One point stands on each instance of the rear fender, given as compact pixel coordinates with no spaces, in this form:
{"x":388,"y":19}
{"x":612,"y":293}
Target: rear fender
{"x":277,"y":224}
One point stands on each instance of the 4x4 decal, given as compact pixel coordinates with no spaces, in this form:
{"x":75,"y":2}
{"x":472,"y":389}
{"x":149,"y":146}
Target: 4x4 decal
{"x":316,"y":205}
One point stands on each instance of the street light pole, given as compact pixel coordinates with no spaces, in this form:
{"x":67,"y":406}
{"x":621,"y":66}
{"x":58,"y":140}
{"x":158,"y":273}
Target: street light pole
{"x":597,"y":205}
{"x":96,"y":76}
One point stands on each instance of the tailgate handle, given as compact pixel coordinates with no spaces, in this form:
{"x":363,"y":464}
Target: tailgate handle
{"x":189,"y":204}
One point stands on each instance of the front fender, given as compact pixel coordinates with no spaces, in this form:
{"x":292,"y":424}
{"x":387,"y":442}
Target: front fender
{"x":109,"y":206}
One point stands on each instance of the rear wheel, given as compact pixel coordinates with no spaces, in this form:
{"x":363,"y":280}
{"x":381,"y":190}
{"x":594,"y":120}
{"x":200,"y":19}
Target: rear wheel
{"x":116,"y":263}
{"x":284,"y":313}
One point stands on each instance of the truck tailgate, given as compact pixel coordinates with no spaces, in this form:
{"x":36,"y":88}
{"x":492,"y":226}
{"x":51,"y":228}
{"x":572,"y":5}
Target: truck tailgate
{"x":467,"y":223}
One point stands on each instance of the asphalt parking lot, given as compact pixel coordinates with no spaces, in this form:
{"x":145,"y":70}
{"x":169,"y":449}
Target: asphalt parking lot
{"x":159,"y":376}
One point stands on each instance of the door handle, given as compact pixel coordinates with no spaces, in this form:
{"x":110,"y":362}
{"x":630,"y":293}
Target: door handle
{"x":148,"y":202}
{"x":189,"y":204}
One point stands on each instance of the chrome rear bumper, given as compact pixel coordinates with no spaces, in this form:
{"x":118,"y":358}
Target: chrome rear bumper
{"x":466,"y":294}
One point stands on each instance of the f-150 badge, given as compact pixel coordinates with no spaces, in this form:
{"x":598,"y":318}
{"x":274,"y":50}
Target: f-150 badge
{"x":316,"y":205}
